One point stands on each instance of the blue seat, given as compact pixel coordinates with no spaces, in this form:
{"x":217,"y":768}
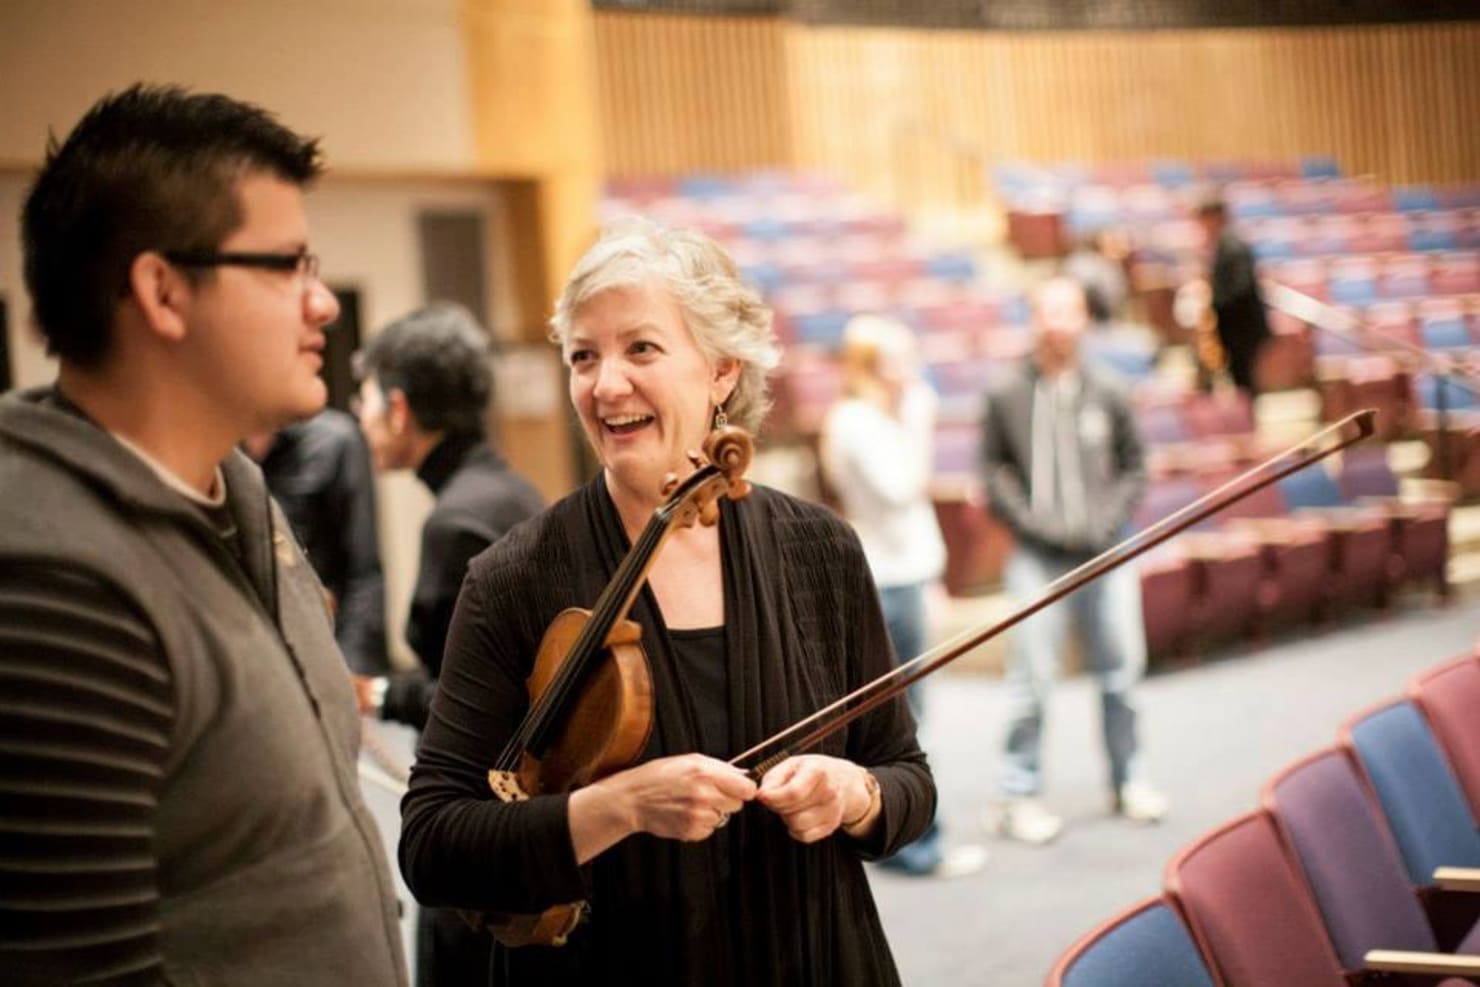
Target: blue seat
{"x":768,"y":230}
{"x":821,"y":328}
{"x":1457,"y":397}
{"x":1446,"y":333}
{"x":1319,"y":166}
{"x":951,"y":267}
{"x":1420,"y":795}
{"x":705,"y":186}
{"x":1310,"y":487}
{"x":1353,"y":291}
{"x":1414,"y":198}
{"x":1172,"y":174}
{"x":765,"y":277}
{"x":1145,"y":944}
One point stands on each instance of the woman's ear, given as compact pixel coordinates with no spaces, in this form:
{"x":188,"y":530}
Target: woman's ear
{"x":726,"y":376}
{"x":161,"y":292}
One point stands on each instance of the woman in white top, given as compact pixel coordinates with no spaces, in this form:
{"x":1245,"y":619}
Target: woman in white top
{"x":876,"y":451}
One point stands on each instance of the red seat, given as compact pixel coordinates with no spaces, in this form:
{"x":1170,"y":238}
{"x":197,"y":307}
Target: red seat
{"x":1226,"y":574}
{"x":1449,"y":697}
{"x":1249,"y":909}
{"x":1166,"y":606}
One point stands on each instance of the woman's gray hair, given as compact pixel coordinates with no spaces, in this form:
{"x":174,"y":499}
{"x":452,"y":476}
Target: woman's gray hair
{"x":726,"y":316}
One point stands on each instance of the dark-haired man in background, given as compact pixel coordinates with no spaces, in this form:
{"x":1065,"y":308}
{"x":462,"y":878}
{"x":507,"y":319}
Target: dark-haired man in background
{"x":319,"y":473}
{"x":425,"y":389}
{"x":179,"y":732}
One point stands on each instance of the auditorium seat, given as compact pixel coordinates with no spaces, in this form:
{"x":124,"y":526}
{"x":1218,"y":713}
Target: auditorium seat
{"x":1449,"y":697}
{"x":1167,"y":605}
{"x":1351,"y":863}
{"x":1456,"y":273}
{"x":1249,"y":909}
{"x":1146,"y":943}
{"x":1227,"y":570}
{"x":1295,"y":554}
{"x":1380,"y":233}
{"x":1420,"y":796}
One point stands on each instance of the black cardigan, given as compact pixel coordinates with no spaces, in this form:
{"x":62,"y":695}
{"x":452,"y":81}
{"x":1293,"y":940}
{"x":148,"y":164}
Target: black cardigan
{"x":748,"y":906}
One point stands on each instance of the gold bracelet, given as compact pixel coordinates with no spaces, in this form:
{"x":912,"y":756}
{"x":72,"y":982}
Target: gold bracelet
{"x":870,"y":785}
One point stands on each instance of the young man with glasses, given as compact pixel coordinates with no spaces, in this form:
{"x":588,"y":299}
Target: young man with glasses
{"x":180,"y":732}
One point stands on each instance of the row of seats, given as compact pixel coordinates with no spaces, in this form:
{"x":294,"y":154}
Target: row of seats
{"x":1359,"y":280}
{"x":1350,"y":866}
{"x":1018,"y":180}
{"x":1294,"y":553}
{"x":1368,"y":233}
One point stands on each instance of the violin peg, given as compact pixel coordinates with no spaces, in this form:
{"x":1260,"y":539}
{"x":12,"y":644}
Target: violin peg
{"x":670,"y":484}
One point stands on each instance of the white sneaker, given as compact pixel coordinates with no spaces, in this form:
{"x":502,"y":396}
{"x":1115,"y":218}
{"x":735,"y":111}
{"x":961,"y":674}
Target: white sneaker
{"x":958,"y":861}
{"x":1024,"y":819}
{"x":1139,"y":802}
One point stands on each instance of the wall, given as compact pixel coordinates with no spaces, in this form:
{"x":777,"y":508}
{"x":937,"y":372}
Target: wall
{"x":913,"y":114}
{"x":385,"y":82}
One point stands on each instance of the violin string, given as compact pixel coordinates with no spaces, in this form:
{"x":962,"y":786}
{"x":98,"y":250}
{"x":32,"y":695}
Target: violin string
{"x":873,"y":694}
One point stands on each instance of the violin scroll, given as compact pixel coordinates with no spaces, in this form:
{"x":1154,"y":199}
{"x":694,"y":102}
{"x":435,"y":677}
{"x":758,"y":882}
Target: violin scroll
{"x":731,"y":449}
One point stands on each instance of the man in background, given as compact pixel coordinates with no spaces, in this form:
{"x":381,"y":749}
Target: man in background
{"x":319,"y":472}
{"x":1240,"y":322}
{"x":425,"y":389}
{"x":179,"y":732}
{"x":1063,"y":469}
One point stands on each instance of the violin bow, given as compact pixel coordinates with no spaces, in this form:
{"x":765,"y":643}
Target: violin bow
{"x":805,"y":733}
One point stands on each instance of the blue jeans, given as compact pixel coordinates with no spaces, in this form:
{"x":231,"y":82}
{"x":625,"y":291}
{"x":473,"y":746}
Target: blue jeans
{"x":1108,"y":615}
{"x":904,"y":616}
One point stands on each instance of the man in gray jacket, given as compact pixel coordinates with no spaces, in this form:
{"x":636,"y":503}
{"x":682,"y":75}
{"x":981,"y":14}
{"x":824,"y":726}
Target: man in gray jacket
{"x":180,"y":734}
{"x":1063,"y":469}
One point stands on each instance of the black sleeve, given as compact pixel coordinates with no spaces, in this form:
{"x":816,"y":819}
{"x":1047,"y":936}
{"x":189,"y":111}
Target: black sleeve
{"x":884,"y":740}
{"x":408,"y":698}
{"x":360,"y":620}
{"x":86,"y":712}
{"x":459,"y":847}
{"x":446,"y":549}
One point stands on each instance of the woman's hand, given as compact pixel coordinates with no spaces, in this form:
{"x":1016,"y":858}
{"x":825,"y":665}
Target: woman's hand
{"x":686,"y":797}
{"x":815,"y":794}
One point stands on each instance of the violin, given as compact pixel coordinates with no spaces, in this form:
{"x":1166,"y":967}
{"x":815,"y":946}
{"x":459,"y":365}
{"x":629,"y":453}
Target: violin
{"x":591,"y":691}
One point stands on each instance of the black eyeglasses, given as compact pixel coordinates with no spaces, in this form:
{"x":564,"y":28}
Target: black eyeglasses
{"x":300,"y":262}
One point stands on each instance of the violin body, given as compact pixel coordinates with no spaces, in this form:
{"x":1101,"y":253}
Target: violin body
{"x":608,"y":726}
{"x":609,"y":719}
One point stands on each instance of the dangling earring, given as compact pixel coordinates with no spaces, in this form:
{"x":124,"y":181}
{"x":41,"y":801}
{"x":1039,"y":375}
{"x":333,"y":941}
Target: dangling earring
{"x":721,"y":420}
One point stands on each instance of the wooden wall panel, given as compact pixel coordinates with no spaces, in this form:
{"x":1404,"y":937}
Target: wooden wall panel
{"x":910,"y":114}
{"x":687,"y":94}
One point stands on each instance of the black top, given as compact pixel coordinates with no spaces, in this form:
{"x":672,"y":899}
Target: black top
{"x":478,"y":499}
{"x":319,"y":471}
{"x":750,"y":905}
{"x":701,"y":664}
{"x":1237,"y":304}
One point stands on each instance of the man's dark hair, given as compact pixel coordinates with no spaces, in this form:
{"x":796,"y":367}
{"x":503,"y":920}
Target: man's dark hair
{"x":438,"y":356}
{"x":149,"y":168}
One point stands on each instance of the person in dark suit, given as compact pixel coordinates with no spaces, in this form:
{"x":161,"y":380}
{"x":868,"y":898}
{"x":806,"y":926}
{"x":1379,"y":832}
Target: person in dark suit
{"x":1238,"y":307}
{"x":319,"y":473}
{"x":425,"y":388}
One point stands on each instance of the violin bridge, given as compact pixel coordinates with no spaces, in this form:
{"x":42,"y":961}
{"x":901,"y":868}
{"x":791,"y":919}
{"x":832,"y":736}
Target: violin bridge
{"x":506,"y":787}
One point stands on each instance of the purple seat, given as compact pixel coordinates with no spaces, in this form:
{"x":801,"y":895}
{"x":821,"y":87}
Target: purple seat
{"x":1349,"y":858}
